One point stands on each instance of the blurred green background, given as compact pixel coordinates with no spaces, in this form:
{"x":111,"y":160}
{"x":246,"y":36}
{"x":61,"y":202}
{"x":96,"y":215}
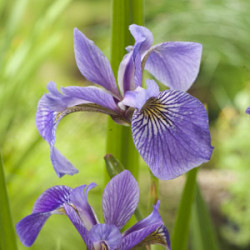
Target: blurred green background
{"x":36,"y":46}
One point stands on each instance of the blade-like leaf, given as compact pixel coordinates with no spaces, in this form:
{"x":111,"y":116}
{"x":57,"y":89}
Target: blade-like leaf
{"x":7,"y":233}
{"x":202,"y":230}
{"x":181,"y":228}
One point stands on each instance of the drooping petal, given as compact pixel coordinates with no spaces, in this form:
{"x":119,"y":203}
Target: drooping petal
{"x":30,"y":226}
{"x":54,"y":105}
{"x":248,"y":110}
{"x":130,"y":73}
{"x":139,"y":96}
{"x":105,"y":235}
{"x":171,"y":134}
{"x":79,"y":198}
{"x":147,"y":231}
{"x":92,"y":63}
{"x":175,"y":64}
{"x":120,"y":199}
{"x":77,"y":222}
{"x":52,"y":199}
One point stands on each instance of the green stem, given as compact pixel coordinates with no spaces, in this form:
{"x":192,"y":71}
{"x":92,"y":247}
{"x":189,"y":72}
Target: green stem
{"x":119,"y":138}
{"x":7,"y":233}
{"x":180,"y":234}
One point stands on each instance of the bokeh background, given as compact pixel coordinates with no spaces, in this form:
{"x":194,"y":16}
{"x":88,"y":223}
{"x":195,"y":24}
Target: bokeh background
{"x":36,"y":46}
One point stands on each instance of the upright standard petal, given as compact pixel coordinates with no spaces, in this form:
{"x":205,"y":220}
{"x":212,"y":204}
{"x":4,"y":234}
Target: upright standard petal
{"x":175,"y":64}
{"x":92,"y":63}
{"x":51,"y":201}
{"x":171,"y":134}
{"x":79,"y":198}
{"x":53,"y":106}
{"x":120,"y":199}
{"x":130,"y":72}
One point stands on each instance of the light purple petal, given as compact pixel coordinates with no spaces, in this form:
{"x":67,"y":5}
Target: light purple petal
{"x":175,"y":64}
{"x":139,"y":96}
{"x":153,"y":218}
{"x":52,"y":199}
{"x":30,"y":226}
{"x":248,"y":110}
{"x":109,"y":235}
{"x":129,"y":73}
{"x":92,"y":63}
{"x":171,"y":134}
{"x":152,"y":234}
{"x":120,"y":199}
{"x":75,"y":219}
{"x":54,"y":105}
{"x":143,"y":37}
{"x":79,"y":198}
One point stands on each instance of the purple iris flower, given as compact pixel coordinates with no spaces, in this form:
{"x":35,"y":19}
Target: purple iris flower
{"x":120,"y":199}
{"x":248,"y":110}
{"x":170,"y":128}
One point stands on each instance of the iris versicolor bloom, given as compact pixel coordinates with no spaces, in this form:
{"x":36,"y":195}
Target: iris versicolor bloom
{"x":248,"y":110}
{"x":170,"y":128}
{"x":120,"y":199}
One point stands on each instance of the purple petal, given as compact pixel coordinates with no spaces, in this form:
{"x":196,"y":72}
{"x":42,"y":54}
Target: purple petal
{"x":53,"y":106}
{"x":52,"y":199}
{"x":76,"y":220}
{"x":107,"y":235}
{"x":171,"y":134}
{"x":147,"y":231}
{"x":143,"y":37}
{"x":248,"y":110}
{"x":92,"y":63}
{"x":129,"y":73}
{"x":138,"y":97}
{"x":30,"y":226}
{"x":120,"y":199}
{"x":175,"y":64}
{"x":79,"y":198}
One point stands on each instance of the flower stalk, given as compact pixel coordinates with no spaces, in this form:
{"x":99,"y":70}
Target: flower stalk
{"x":119,"y":138}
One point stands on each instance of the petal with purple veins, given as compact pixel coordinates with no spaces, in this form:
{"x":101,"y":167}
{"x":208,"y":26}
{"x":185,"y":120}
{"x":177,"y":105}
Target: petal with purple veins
{"x":147,"y":231}
{"x":175,"y":64}
{"x":171,"y":134}
{"x":103,"y":235}
{"x":92,"y":63}
{"x":79,"y":199}
{"x":130,"y":72}
{"x":52,"y":199}
{"x":30,"y":226}
{"x":120,"y":199}
{"x":54,"y":105}
{"x":139,"y":96}
{"x":77,"y":222}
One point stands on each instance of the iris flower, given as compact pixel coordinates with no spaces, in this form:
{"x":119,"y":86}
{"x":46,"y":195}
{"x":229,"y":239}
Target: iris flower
{"x":248,"y":110}
{"x":170,"y":128}
{"x":120,"y":199}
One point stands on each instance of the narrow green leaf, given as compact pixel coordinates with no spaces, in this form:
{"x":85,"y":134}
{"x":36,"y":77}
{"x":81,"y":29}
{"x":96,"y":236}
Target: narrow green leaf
{"x":119,"y":139}
{"x":7,"y":233}
{"x":202,"y":230}
{"x":181,"y":228}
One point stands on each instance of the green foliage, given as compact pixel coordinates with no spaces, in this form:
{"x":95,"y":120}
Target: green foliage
{"x":232,"y":153}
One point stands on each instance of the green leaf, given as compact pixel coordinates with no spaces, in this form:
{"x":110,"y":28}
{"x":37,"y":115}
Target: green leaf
{"x":179,"y":240}
{"x":202,"y":230}
{"x":7,"y":233}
